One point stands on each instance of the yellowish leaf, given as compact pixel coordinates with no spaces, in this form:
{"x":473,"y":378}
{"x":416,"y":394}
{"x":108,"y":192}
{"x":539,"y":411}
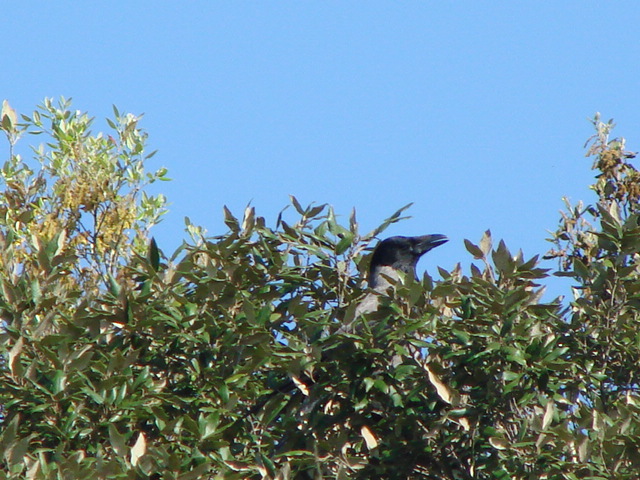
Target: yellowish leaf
{"x":499,"y":443}
{"x":614,"y":210}
{"x":62,"y":239}
{"x":284,"y":473}
{"x":542,"y":440}
{"x":14,"y":353}
{"x":583,"y":449}
{"x":159,"y":385}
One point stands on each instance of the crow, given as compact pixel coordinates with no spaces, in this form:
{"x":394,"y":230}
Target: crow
{"x":393,"y":255}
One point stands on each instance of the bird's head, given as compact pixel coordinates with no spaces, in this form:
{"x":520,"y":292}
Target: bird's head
{"x":401,"y":253}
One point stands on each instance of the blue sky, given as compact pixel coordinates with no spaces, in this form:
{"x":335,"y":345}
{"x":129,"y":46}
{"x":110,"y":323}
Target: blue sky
{"x":476,"y":112}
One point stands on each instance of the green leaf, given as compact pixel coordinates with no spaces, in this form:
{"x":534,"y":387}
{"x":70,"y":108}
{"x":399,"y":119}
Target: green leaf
{"x":17,"y":451}
{"x":353,"y":223}
{"x":59,"y":382}
{"x":315,"y":211}
{"x":197,"y":472}
{"x":36,"y":291}
{"x":114,"y":287}
{"x":153,"y":255}
{"x":230,"y":220}
{"x":502,"y":259}
{"x":344,"y":243}
{"x":118,"y":441}
{"x":396,"y":217}
{"x":269,"y":465}
{"x":296,"y":205}
{"x":473,"y":249}
{"x":8,"y":436}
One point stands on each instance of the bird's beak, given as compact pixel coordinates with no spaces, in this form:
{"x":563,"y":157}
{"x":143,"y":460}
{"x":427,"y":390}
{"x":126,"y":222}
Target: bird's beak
{"x":427,"y":242}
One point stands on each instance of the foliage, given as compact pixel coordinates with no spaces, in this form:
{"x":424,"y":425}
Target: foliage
{"x":226,"y":359}
{"x":86,"y":201}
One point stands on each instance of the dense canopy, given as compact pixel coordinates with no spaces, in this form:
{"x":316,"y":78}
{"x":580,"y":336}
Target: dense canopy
{"x":225,"y":359}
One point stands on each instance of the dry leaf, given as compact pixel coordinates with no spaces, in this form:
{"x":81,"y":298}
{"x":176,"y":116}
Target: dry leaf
{"x":238,"y":466}
{"x":444,"y":391}
{"x":329,"y":407}
{"x":248,"y":220}
{"x":369,"y":438}
{"x":464,"y":421}
{"x":301,"y":386}
{"x":548,"y":415}
{"x":485,"y":242}
{"x":138,"y":449}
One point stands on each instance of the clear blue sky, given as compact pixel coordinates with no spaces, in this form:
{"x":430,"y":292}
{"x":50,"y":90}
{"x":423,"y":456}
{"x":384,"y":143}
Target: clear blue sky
{"x":475,"y":111}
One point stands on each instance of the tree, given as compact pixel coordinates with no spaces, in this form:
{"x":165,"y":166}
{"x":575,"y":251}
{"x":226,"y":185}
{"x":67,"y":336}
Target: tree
{"x":225,"y":359}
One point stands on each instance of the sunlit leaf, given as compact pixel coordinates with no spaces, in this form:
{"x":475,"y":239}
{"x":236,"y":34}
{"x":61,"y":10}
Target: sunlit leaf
{"x":139,"y":449}
{"x":14,"y":356}
{"x":9,"y":117}
{"x":300,"y":385}
{"x":548,"y":414}
{"x":445,"y":392}
{"x":369,"y":438}
{"x":486,"y":243}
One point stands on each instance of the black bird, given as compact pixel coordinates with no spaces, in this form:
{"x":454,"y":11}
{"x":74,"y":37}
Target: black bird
{"x":392,"y":255}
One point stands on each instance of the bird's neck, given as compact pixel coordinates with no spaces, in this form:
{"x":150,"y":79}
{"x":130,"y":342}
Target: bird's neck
{"x":383,"y":277}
